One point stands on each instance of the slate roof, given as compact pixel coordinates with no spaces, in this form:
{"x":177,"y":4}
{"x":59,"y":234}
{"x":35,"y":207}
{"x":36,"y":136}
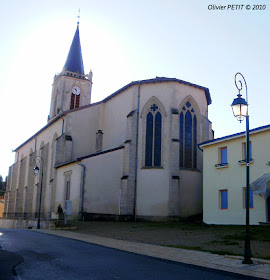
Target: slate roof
{"x":160,"y":80}
{"x":236,"y":135}
{"x":74,"y":62}
{"x":155,"y":80}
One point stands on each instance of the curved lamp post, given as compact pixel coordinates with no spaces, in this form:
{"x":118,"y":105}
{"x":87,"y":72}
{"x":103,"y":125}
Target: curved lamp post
{"x":37,"y":160}
{"x":240,"y":111}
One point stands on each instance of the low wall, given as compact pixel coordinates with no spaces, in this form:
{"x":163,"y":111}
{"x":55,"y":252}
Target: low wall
{"x":19,"y":224}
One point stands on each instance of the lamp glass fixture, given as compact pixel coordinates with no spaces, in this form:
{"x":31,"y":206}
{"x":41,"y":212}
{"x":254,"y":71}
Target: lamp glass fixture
{"x":36,"y":170}
{"x":240,"y":108}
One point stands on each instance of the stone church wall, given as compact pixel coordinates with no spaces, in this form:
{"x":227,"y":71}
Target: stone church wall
{"x":28,"y":203}
{"x":20,"y":189}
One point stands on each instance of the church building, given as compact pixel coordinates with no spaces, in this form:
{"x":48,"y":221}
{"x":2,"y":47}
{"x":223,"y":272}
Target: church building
{"x":133,"y":155}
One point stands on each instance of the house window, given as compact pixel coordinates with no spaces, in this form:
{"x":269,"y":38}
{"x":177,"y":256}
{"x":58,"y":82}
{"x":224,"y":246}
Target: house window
{"x":223,"y":198}
{"x":244,"y":151}
{"x":222,"y":157}
{"x":245,"y":198}
{"x":75,"y":101}
{"x":153,"y":137}
{"x":188,"y":137}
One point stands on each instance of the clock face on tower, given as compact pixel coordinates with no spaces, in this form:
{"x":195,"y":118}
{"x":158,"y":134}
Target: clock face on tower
{"x":76,"y":90}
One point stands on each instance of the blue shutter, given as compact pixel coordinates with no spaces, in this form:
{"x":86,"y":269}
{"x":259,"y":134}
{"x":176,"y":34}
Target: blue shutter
{"x":250,"y":198}
{"x":149,"y":140}
{"x":223,"y":155}
{"x":224,"y":199}
{"x":157,"y":144}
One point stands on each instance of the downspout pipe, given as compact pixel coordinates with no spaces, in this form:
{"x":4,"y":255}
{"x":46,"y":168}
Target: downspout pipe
{"x":82,"y":204}
{"x":136,"y":152}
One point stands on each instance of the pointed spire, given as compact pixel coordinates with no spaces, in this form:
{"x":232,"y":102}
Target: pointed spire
{"x":74,"y":62}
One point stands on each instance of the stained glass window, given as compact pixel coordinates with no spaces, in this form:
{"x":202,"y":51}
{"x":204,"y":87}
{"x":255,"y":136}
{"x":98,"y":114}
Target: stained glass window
{"x":153,"y":137}
{"x":194,"y":142}
{"x":157,"y":146}
{"x":149,"y":139}
{"x":181,"y":161}
{"x":188,"y":137}
{"x":188,"y":140}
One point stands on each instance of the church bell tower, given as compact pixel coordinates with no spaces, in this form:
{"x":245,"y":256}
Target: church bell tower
{"x":71,"y":88}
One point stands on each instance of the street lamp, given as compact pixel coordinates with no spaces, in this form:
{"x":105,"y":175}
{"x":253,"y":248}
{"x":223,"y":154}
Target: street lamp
{"x":240,"y":111}
{"x":37,"y":160}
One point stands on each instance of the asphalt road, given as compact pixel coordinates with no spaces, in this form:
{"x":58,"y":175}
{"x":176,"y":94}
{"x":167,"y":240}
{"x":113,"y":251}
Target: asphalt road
{"x":51,"y":257}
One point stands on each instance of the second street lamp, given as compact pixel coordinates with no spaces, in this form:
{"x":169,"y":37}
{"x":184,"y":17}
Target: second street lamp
{"x":240,"y":111}
{"x":39,"y":159}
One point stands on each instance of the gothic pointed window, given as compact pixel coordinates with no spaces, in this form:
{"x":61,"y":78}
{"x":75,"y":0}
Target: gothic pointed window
{"x":74,"y":101}
{"x":188,"y":137}
{"x":153,"y":137}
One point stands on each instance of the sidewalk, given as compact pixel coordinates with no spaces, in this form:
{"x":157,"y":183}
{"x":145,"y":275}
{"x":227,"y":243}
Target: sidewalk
{"x":260,"y":268}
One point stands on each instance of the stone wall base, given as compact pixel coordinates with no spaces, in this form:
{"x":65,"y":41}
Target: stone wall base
{"x":20,"y":223}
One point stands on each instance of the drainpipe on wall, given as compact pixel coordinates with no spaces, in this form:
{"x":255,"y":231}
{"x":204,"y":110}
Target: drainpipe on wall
{"x":136,"y":152}
{"x":82,"y":218}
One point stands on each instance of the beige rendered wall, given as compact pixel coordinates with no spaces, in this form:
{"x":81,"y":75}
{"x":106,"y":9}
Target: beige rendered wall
{"x":154,"y":184}
{"x":75,"y":172}
{"x":83,"y":125}
{"x":152,"y":192}
{"x":191,"y":185}
{"x":102,"y":183}
{"x":233,"y":178}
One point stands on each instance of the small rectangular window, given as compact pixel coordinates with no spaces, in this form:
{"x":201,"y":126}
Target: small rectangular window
{"x":244,"y":151}
{"x":223,"y":197}
{"x":250,"y":198}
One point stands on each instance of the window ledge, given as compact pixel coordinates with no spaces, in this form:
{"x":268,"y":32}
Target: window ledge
{"x":221,"y":165}
{"x":152,"y":167}
{"x":244,"y":162}
{"x":189,"y":169}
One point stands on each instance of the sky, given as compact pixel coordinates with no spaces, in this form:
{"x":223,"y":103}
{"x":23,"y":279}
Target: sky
{"x":124,"y":41}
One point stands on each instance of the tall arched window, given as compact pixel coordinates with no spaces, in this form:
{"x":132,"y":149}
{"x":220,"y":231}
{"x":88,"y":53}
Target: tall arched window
{"x":188,"y":137}
{"x":75,"y":101}
{"x":153,"y":137}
